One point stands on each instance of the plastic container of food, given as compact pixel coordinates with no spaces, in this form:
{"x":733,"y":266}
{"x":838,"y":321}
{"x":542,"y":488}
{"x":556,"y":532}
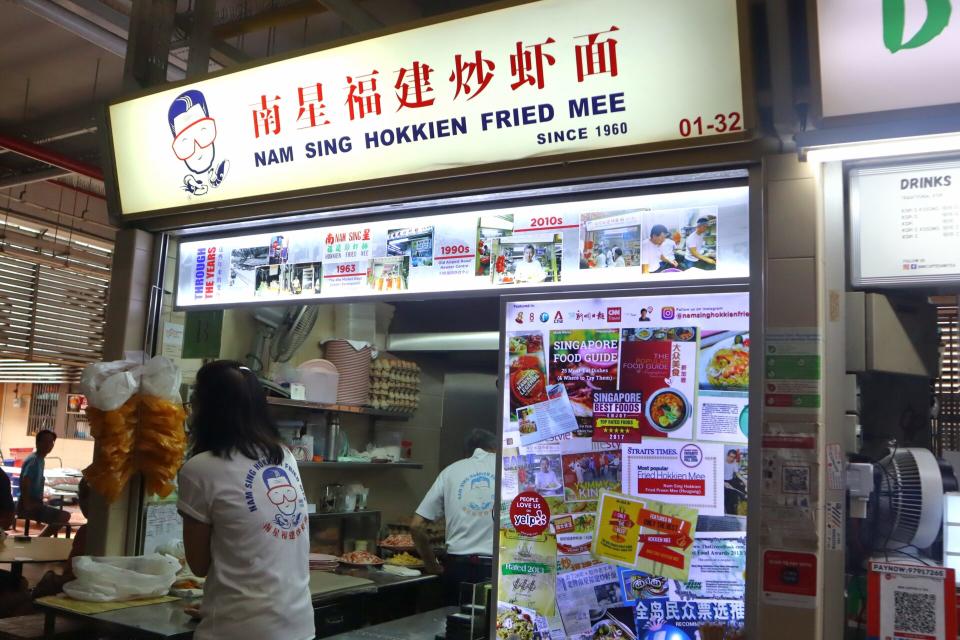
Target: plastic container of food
{"x":320,"y":379}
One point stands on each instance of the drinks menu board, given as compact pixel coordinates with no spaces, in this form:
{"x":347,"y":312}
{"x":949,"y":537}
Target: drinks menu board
{"x":905,"y":224}
{"x":638,"y":462}
{"x":690,"y":235}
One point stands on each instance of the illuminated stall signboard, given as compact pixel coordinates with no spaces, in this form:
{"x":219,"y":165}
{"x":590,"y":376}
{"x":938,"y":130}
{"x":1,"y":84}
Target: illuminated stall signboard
{"x":689,"y":235}
{"x":886,"y":56}
{"x":515,"y":85}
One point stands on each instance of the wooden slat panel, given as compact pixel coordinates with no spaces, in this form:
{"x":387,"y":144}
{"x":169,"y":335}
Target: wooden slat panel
{"x":50,"y":312}
{"x":947,"y":385}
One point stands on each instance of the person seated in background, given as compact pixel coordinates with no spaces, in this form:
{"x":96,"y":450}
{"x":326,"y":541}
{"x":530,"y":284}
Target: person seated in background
{"x":14,"y":595}
{"x":51,"y":582}
{"x":31,"y":488}
{"x":7,"y":512}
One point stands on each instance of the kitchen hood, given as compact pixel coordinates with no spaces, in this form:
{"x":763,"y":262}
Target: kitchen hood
{"x":444,"y":341}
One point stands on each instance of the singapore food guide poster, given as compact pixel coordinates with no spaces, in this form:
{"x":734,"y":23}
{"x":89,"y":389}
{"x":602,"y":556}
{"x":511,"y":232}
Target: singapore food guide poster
{"x":632,"y":368}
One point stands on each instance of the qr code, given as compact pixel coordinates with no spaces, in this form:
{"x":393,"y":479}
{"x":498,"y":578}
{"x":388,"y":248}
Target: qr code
{"x":915,"y":612}
{"x":796,"y":480}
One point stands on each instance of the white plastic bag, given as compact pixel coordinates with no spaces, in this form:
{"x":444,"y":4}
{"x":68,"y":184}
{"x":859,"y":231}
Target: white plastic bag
{"x":117,"y":578}
{"x":160,"y":377}
{"x":107,"y":385}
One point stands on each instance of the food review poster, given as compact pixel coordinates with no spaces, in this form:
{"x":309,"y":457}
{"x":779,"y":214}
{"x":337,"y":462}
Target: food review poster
{"x":633,"y":368}
{"x":654,"y":413}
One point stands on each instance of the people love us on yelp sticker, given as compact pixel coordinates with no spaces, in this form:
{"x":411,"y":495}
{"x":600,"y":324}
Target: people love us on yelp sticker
{"x":529,"y":514}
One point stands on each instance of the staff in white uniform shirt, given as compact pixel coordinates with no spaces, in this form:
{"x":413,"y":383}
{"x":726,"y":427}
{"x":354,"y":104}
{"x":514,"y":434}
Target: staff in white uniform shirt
{"x":244,"y":513}
{"x":694,"y":255}
{"x":463,"y":493}
{"x":659,"y":250}
{"x":529,"y":269}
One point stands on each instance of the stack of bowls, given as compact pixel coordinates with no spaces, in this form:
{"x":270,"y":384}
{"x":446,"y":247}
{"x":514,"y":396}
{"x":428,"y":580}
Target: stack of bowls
{"x":353,"y":364}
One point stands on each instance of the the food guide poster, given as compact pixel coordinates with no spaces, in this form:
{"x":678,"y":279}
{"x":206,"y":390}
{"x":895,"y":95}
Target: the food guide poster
{"x":632,"y":368}
{"x":700,"y":475}
{"x":510,"y":247}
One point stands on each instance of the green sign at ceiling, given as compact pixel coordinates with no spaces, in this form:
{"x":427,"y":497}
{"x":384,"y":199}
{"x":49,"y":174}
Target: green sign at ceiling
{"x":201,"y":334}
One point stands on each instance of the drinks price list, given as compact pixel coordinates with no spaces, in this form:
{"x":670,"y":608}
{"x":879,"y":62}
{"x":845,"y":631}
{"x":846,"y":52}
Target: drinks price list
{"x":906,"y":223}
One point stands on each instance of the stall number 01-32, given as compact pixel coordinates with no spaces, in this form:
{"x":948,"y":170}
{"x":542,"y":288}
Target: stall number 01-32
{"x":722,"y":123}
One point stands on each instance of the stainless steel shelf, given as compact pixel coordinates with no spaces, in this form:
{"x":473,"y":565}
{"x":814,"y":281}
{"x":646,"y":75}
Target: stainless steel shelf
{"x":336,"y":408}
{"x":344,"y":514}
{"x":361,"y":465}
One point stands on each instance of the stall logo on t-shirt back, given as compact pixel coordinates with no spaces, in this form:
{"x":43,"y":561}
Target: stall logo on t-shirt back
{"x":476,"y":494}
{"x":278,"y":499}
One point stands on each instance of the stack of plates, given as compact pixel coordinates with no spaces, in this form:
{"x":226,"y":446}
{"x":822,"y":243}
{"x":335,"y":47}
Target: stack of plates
{"x":322,"y":562}
{"x":354,"y":367}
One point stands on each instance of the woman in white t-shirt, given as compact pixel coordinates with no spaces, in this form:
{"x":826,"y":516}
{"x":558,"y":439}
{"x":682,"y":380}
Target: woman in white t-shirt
{"x":244,"y":513}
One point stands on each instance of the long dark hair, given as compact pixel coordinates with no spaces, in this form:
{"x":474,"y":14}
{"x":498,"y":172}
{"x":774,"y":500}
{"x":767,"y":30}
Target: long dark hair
{"x":230,"y":414}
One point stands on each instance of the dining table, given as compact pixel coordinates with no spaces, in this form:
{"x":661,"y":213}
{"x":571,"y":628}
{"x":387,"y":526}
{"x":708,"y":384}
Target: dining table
{"x":18,"y":551}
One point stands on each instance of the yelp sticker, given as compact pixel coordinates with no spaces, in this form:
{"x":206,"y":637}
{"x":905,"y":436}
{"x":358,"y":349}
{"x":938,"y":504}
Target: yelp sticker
{"x":529,"y":514}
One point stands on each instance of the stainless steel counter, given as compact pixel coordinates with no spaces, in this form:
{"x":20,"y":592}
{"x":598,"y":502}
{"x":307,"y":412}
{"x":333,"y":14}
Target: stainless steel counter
{"x":423,"y":626}
{"x":168,"y":621}
{"x":382,"y":579}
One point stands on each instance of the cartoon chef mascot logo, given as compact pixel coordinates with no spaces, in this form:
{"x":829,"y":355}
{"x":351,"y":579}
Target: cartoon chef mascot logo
{"x":194,"y":133}
{"x":477,"y":491}
{"x":283,"y":495}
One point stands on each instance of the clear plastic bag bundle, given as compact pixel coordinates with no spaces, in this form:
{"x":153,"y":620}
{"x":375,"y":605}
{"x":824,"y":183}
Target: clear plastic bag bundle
{"x":137,"y":418}
{"x":117,"y":578}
